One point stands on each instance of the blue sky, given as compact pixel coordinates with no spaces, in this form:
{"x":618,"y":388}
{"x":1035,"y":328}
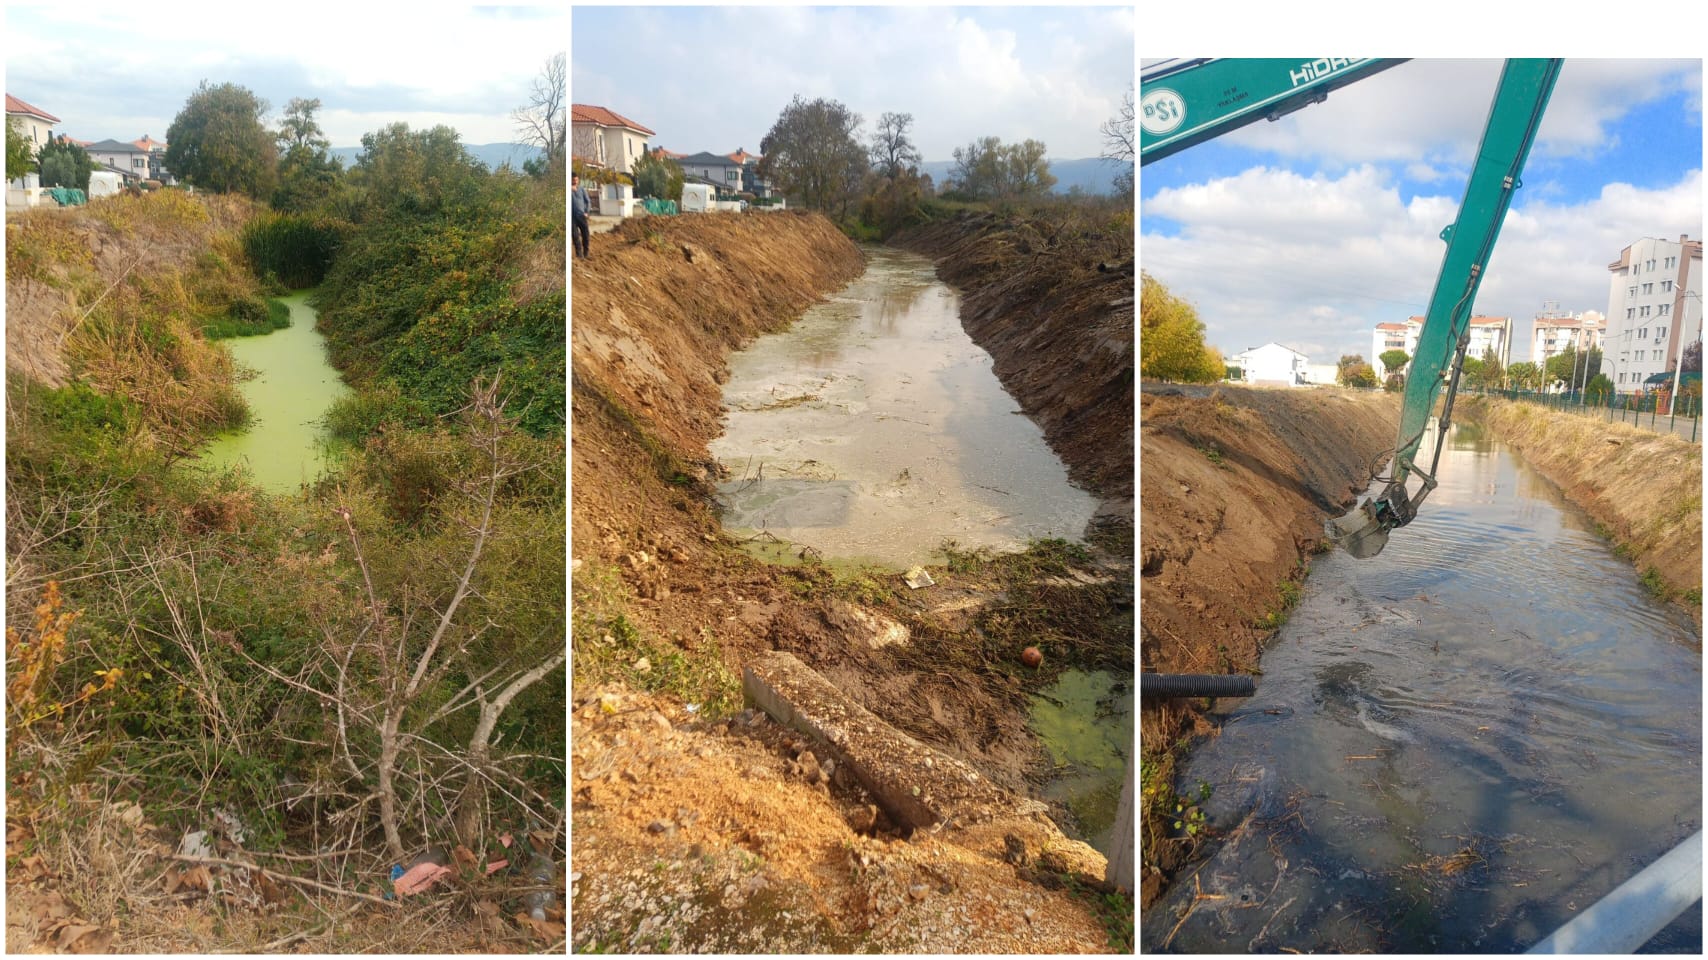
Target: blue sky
{"x":1334,"y":211}
{"x":120,"y":72}
{"x":716,"y":78}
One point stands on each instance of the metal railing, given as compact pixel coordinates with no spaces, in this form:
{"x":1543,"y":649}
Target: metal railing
{"x":1651,"y":412}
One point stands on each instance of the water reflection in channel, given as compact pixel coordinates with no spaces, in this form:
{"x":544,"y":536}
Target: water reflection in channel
{"x":1456,"y":745}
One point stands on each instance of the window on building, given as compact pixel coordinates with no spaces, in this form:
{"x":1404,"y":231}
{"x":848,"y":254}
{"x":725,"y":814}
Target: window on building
{"x":1642,"y":332}
{"x":1630,"y":313}
{"x":1660,"y":332}
{"x":1665,"y":309}
{"x":1642,"y":311}
{"x":1671,"y":262}
{"x":732,"y":174}
{"x":1651,"y":265}
{"x":1631,"y":292}
{"x":1648,"y":288}
{"x":1666,"y":286}
{"x":1639,"y":355}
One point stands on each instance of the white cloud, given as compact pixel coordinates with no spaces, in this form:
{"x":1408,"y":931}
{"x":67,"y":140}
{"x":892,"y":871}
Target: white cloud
{"x":1272,"y":255}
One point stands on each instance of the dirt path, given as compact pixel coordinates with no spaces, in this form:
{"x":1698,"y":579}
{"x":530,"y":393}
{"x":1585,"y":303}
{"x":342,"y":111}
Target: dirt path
{"x":667,"y":610}
{"x":1236,"y":483}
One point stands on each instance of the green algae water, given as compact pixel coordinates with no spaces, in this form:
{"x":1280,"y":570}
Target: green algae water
{"x":1085,"y":720}
{"x":284,"y":445}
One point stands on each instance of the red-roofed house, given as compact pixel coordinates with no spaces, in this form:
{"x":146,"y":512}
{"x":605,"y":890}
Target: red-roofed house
{"x":604,"y":138}
{"x":36,"y":123}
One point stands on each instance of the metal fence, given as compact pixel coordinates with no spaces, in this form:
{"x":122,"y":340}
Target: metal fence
{"x":1649,"y":412}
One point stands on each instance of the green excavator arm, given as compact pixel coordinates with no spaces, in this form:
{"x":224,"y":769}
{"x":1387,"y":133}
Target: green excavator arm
{"x":1187,"y":101}
{"x":1520,"y":99}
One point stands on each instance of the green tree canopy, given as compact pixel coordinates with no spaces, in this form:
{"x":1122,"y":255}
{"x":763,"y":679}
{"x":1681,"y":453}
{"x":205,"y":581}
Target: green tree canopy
{"x":419,"y":171}
{"x":1394,"y":360}
{"x":1358,"y":374}
{"x":20,"y":153}
{"x":988,"y":169}
{"x":658,"y":176}
{"x":1568,"y":368}
{"x":1489,"y":372}
{"x":1171,"y":338}
{"x":1524,"y":375}
{"x":813,"y":152}
{"x":308,"y":173}
{"x":65,"y":164}
{"x":218,"y":142}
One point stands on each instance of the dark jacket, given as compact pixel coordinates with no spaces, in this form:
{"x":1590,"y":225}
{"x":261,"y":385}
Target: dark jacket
{"x":579,"y":202}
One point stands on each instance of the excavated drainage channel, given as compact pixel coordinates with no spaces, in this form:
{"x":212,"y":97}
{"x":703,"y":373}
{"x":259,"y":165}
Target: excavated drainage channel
{"x":874,"y":429}
{"x":1455,"y":746}
{"x":294,"y":385}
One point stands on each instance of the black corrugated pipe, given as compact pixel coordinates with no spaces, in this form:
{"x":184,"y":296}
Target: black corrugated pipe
{"x":1195,"y":685}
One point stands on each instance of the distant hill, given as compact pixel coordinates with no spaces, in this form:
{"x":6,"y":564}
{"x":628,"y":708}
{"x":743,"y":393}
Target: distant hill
{"x":491,"y":154}
{"x":1091,"y":174}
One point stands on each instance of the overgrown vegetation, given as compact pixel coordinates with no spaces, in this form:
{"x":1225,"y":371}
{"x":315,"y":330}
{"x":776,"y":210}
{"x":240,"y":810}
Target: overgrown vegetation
{"x":356,"y":671}
{"x":1171,"y":338}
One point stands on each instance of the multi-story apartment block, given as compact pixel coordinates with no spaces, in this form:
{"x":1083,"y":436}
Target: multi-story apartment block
{"x":1654,"y":308}
{"x":1486,"y":332}
{"x":1553,"y":332}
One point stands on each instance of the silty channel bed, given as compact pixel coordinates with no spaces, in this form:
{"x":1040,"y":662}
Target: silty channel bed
{"x":1455,"y":746}
{"x":874,"y":429}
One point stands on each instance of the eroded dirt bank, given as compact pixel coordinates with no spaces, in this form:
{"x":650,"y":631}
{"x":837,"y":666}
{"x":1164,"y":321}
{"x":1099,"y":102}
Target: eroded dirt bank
{"x":698,"y":826}
{"x":1643,"y":488}
{"x":1236,"y":483}
{"x":1054,"y":307}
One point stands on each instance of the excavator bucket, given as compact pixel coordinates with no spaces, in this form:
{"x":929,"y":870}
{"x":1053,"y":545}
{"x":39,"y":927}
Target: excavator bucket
{"x":1360,"y":532}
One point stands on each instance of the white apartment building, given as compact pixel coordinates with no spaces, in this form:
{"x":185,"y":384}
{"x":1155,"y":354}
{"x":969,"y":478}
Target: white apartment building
{"x":1553,"y":332}
{"x":1486,"y":332}
{"x":1654,"y":308}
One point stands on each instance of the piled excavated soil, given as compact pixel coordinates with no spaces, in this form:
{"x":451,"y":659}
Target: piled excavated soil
{"x":1236,"y":484}
{"x":1059,"y":328}
{"x":654,"y":314}
{"x":1644,"y":488}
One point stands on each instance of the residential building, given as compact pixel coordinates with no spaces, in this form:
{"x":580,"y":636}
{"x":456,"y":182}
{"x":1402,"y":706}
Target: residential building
{"x":1554,"y":331}
{"x":720,"y":170}
{"x":1272,"y":365}
{"x":1389,"y":336}
{"x":604,"y":138}
{"x":1486,"y":333}
{"x":1654,"y":308}
{"x":36,"y":123}
{"x":137,"y":159}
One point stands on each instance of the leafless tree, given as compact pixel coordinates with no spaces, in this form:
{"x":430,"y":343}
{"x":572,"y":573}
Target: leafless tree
{"x":892,"y":151}
{"x":543,"y":122}
{"x":1118,"y":142}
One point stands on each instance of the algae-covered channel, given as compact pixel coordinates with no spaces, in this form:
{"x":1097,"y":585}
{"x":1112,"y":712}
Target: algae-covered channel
{"x":874,"y":429}
{"x":292,"y":388}
{"x":1455,"y":746}
{"x":1085,"y":720}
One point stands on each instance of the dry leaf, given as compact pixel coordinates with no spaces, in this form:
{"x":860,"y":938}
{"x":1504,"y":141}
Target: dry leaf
{"x":49,"y":907}
{"x":544,"y":929}
{"x":82,"y":938}
{"x":465,"y":858}
{"x":34,"y":868}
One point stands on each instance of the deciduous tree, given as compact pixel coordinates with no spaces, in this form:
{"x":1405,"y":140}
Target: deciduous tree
{"x":20,"y":153}
{"x":65,"y":164}
{"x":1171,"y":338}
{"x":217,"y":142}
{"x":813,"y":152}
{"x":308,"y":172}
{"x":892,"y":151}
{"x":988,"y":169}
{"x":543,"y":120}
{"x":1118,"y":143}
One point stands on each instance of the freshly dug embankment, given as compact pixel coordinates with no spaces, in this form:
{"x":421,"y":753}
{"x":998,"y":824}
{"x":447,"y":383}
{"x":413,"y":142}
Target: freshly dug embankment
{"x":704,"y":834}
{"x":1060,"y":329}
{"x":1237,"y":483}
{"x":1643,"y":488}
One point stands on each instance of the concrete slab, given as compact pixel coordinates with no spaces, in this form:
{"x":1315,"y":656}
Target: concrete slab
{"x":918,"y":786}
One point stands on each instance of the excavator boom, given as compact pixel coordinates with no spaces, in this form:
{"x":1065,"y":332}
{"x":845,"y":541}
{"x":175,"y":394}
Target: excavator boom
{"x":1185,"y":102}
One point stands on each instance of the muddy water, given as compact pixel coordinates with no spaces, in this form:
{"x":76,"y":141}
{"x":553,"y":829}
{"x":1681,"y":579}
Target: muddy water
{"x":284,"y":444}
{"x":1455,"y":746}
{"x":1085,"y":720}
{"x":874,"y":429}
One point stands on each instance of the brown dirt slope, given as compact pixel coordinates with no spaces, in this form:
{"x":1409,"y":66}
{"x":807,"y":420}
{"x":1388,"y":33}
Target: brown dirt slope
{"x":1644,"y":488}
{"x":1235,"y":486}
{"x":666,"y":611}
{"x":1059,"y":329}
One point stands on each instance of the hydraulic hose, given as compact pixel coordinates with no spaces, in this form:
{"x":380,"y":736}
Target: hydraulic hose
{"x":1195,"y":685}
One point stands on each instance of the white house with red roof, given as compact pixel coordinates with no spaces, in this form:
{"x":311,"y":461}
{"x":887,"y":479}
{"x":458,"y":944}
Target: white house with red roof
{"x":1486,"y":333}
{"x":602,"y":137}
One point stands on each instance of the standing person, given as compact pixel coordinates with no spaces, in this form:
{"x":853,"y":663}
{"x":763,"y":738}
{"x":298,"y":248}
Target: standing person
{"x":578,"y":205}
